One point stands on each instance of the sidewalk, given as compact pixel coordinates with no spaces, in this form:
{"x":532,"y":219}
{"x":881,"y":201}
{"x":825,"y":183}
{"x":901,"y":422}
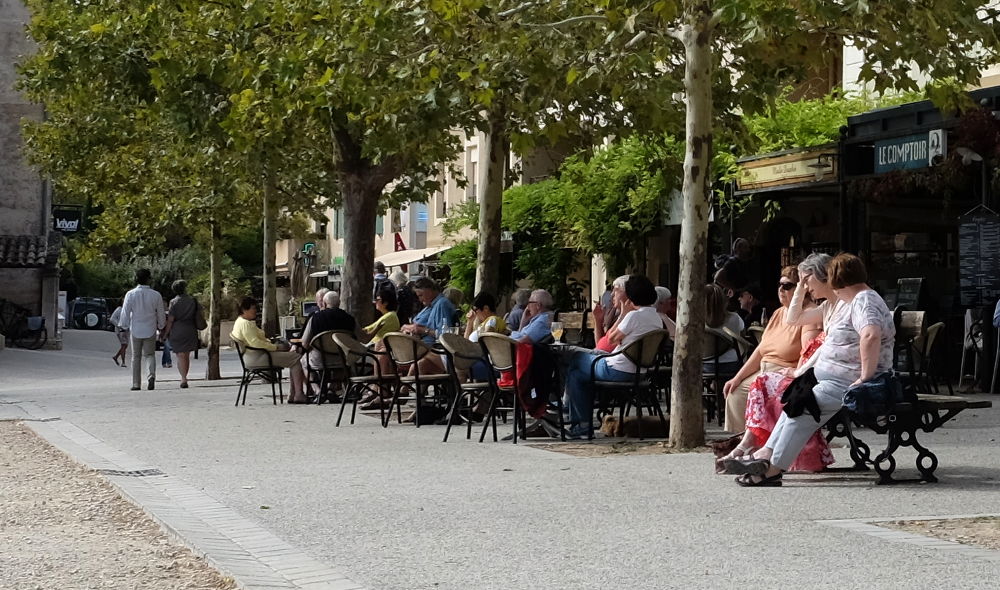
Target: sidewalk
{"x":397,"y":508}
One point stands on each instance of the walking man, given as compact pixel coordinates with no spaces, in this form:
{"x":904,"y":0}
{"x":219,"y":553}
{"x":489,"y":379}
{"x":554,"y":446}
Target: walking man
{"x":142,"y":313}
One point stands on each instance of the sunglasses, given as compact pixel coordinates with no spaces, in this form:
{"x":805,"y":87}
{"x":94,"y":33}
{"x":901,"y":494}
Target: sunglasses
{"x":786,"y":286}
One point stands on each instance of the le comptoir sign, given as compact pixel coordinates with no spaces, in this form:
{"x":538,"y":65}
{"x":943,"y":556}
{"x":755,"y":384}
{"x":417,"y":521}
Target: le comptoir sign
{"x":911,"y":151}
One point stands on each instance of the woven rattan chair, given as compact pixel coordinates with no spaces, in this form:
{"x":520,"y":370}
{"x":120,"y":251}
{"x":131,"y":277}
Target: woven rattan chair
{"x":462,"y":355}
{"x":406,"y":353}
{"x":263,"y":367}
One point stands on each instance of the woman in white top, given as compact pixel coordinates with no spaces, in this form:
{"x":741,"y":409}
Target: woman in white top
{"x":858,"y":345}
{"x":639,"y":318}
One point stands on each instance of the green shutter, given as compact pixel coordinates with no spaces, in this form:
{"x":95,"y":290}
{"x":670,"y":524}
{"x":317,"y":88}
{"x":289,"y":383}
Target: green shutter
{"x":379,"y":225}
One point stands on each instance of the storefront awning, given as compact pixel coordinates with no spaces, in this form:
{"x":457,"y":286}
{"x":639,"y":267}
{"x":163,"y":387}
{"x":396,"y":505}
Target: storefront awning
{"x":409,"y":256}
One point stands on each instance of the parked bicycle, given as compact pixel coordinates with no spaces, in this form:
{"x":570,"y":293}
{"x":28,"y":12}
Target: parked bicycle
{"x":20,"y":328}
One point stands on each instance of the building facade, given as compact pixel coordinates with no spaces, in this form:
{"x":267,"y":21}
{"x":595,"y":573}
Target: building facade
{"x":29,"y":247}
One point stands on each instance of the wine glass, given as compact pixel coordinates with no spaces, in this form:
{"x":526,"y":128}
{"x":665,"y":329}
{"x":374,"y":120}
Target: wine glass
{"x":557,"y":330}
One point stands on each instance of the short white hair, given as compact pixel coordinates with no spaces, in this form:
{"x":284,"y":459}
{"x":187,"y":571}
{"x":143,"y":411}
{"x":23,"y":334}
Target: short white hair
{"x":331,"y":299}
{"x":662,"y":294}
{"x":619,"y":283}
{"x":543,"y":297}
{"x":398,"y":278}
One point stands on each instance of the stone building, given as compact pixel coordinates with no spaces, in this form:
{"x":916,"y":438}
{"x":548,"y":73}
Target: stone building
{"x":29,"y":247}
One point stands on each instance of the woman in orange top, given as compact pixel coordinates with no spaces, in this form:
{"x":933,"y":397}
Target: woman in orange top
{"x":779,"y":350}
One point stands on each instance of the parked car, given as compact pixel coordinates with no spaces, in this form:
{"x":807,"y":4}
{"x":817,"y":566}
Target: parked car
{"x":91,"y":313}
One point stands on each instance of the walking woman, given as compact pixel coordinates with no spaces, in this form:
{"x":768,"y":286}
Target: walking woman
{"x":181,"y":332}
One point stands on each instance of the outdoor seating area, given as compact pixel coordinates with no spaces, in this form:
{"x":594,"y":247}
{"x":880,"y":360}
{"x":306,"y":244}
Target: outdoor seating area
{"x":562,"y":375}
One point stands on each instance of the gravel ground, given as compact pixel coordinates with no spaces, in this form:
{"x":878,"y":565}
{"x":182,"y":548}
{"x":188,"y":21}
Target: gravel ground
{"x":981,"y":531}
{"x":62,"y":526}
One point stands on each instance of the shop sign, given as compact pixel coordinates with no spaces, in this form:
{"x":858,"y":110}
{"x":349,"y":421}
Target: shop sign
{"x":909,"y":152}
{"x":67,"y":219}
{"x":811,"y":166}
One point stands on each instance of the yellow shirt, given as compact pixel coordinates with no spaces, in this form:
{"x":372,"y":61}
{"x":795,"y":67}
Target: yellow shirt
{"x":493,"y":323}
{"x":389,"y":322}
{"x":248,"y":333}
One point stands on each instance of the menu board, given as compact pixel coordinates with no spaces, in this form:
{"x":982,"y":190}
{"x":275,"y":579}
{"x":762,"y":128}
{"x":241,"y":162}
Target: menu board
{"x":908,"y":294}
{"x":979,"y":258}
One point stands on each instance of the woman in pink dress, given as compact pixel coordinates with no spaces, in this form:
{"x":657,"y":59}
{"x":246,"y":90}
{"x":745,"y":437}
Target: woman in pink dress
{"x":764,"y":407}
{"x":764,"y":397}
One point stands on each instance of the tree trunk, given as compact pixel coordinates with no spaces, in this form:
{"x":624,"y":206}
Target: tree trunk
{"x":270,"y":308}
{"x":361,"y":197}
{"x":212,"y":372}
{"x":687,"y":429}
{"x":490,"y":207}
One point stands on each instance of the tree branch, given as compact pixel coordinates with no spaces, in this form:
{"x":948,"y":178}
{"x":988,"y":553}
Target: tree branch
{"x":714,"y":20}
{"x":569,"y":21}
{"x":512,"y":11}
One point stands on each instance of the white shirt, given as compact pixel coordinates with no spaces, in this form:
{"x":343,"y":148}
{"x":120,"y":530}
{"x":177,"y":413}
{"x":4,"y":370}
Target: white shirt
{"x":637,"y":323}
{"x":142,"y":312}
{"x":840,"y":354}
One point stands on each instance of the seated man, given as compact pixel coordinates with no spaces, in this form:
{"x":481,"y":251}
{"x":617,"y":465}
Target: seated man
{"x":536,"y":322}
{"x":438,"y":311}
{"x":639,"y":318}
{"x":329,"y":317}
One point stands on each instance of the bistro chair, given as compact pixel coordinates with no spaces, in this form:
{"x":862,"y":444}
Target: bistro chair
{"x":743,"y":346}
{"x":330,"y":367}
{"x":717,"y":343}
{"x":406,"y":353}
{"x":462,"y":355}
{"x":259,"y":365}
{"x":364,"y":374}
{"x":972,"y":342}
{"x":501,"y":354}
{"x":920,"y":355}
{"x":638,"y":392}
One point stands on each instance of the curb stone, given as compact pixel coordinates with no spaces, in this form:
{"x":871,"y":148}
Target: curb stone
{"x":240,"y":549}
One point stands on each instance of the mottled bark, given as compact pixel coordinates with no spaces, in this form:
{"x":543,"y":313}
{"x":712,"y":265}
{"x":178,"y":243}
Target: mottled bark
{"x":269,"y":321}
{"x":490,"y":207}
{"x":212,"y":371}
{"x":360,"y":206}
{"x":686,"y":422}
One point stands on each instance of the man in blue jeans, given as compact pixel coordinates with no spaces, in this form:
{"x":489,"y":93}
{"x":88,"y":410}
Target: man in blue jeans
{"x":640,"y":318}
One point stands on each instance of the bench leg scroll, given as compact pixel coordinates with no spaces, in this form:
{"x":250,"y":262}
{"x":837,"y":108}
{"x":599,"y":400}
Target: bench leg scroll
{"x":885,"y":463}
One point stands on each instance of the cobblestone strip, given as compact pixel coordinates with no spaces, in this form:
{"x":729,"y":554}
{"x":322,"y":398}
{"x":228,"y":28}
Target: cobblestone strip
{"x":236,"y":546}
{"x":869,"y":526}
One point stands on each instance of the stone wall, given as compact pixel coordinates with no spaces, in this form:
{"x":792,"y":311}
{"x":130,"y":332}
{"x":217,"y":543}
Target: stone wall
{"x":24,"y":203}
{"x":22,"y":199}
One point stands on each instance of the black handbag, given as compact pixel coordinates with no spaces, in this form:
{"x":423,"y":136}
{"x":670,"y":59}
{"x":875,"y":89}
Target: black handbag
{"x":798,"y":397}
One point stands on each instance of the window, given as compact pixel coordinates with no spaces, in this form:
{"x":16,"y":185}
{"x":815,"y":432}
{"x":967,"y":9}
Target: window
{"x":380,"y":225}
{"x":338,"y":224}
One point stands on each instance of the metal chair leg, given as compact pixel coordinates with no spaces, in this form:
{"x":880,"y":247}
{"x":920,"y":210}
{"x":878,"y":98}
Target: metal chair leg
{"x":996,"y":365}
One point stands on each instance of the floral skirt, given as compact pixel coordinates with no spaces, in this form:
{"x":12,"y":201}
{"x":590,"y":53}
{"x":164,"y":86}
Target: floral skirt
{"x":764,"y":409}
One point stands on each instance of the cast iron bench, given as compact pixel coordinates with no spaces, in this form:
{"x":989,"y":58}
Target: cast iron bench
{"x":901,"y":424}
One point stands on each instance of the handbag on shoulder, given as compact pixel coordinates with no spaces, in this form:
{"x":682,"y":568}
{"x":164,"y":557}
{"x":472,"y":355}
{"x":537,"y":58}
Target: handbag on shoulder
{"x":199,"y":317}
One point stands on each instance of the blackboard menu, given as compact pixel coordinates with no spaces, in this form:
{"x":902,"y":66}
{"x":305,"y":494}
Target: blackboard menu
{"x":908,"y":294}
{"x":979,"y":255}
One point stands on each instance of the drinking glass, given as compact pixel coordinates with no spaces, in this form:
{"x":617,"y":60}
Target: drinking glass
{"x":557,"y":330}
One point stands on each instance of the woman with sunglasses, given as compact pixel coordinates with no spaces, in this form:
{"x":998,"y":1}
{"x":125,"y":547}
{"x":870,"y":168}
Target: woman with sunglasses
{"x":779,"y":350}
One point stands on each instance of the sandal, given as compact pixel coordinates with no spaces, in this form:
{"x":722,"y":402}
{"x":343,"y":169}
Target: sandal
{"x":746,"y":467}
{"x":736,"y":453}
{"x":747,"y":481}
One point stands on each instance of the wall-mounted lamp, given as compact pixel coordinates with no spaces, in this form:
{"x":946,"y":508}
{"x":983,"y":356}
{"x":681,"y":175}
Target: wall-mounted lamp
{"x":823,"y":163}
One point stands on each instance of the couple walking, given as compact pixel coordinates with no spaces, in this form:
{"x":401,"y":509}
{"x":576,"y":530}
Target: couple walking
{"x":143,"y":316}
